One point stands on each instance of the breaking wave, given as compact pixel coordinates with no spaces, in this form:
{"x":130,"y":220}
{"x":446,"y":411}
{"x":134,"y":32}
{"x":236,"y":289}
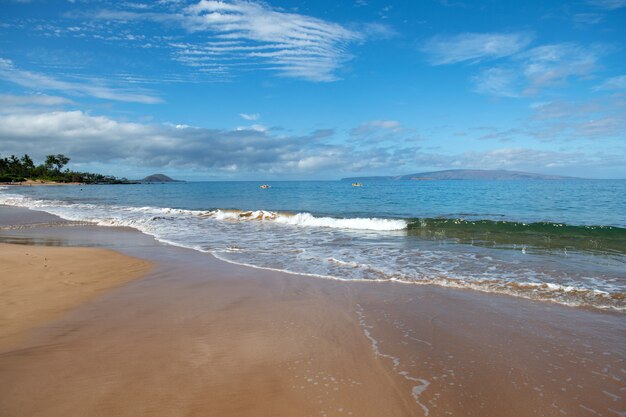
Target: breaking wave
{"x":415,"y":251}
{"x":308,"y":220}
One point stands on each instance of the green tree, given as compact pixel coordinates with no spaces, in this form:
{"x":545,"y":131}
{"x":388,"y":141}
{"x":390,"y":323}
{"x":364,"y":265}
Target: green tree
{"x":51,"y":161}
{"x":4,"y":166}
{"x":56,"y":162}
{"x":14,"y":165}
{"x":61,"y":161}
{"x":27,"y":165}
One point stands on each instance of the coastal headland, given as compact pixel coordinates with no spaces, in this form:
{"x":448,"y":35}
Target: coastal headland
{"x":104,"y":321}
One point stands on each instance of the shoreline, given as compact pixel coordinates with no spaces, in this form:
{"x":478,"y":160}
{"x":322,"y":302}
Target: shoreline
{"x":234,"y":339}
{"x":572,"y":288}
{"x":30,"y":183}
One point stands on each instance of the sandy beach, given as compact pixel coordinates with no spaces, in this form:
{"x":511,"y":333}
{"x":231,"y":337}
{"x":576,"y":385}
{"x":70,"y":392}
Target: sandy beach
{"x":39,"y":283}
{"x":30,"y":183}
{"x":154,"y":330}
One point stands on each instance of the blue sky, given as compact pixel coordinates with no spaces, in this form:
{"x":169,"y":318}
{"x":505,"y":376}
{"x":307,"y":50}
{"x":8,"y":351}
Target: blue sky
{"x":238,"y":90}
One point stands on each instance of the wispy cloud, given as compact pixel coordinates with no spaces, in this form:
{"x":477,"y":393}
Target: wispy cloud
{"x":613,"y":83}
{"x":380,"y":132}
{"x":522,"y":158}
{"x":586,"y":19}
{"x":240,"y":34}
{"x":31,"y":100}
{"x":608,"y":4}
{"x":573,"y":120}
{"x":376,"y":30}
{"x":498,"y":81}
{"x":256,"y":127}
{"x":93,"y":87}
{"x":553,"y":64}
{"x":529,"y":72}
{"x":31,"y":103}
{"x":474,"y":47}
{"x":520,"y":71}
{"x":564,"y":121}
{"x":389,"y":125}
{"x":250,"y":116}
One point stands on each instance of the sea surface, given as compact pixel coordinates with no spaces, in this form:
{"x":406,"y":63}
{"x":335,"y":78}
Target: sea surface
{"x":555,"y":241}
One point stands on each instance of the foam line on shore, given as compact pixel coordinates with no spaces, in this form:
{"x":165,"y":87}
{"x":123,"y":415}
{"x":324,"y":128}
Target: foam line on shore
{"x":168,"y":225}
{"x":416,"y":390}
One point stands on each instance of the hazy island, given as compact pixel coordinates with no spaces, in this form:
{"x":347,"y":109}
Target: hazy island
{"x":463,"y":174}
{"x":158,"y":178}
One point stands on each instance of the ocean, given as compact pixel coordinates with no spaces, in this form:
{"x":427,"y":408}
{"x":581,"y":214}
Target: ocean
{"x":561,"y":241}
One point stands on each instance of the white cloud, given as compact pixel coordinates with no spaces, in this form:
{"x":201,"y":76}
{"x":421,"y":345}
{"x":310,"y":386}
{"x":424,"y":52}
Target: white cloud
{"x":520,"y":158}
{"x":93,"y":87}
{"x":501,"y":82}
{"x":572,"y":162}
{"x":139,"y":6}
{"x":10,"y":104}
{"x":553,"y":64}
{"x":318,"y":162}
{"x":377,"y":30}
{"x":378,"y":131}
{"x":7,"y":100}
{"x":474,"y":47}
{"x":563,"y":121}
{"x":254,"y":127}
{"x":521,"y":71}
{"x":242,"y":34}
{"x":391,"y":125}
{"x":529,"y":72}
{"x":250,"y":116}
{"x":87,"y":138}
{"x":386,"y":124}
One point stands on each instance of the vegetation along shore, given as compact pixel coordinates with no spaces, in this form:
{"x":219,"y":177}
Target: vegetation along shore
{"x":14,"y":170}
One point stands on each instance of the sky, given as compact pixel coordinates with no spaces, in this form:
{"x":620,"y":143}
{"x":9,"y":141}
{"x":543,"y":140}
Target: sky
{"x":315,"y":89}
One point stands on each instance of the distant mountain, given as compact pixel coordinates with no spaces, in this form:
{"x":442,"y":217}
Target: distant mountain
{"x":159,"y":178}
{"x":464,"y":174}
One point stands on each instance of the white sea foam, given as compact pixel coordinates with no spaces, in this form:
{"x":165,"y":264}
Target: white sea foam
{"x":299,"y":219}
{"x":342,"y":249}
{"x":308,"y":220}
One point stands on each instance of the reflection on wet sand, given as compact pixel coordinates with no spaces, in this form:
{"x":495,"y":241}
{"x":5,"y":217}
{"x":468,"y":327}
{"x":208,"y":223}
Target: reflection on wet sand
{"x":198,"y":336}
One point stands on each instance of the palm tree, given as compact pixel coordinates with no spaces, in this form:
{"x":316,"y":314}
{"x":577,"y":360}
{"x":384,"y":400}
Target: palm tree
{"x":27,"y":165}
{"x":14,"y":165}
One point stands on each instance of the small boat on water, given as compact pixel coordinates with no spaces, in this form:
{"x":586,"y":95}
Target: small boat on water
{"x":266,"y":186}
{"x":357,"y":184}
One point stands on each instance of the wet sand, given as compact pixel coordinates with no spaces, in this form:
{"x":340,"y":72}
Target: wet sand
{"x":39,"y":283}
{"x":200,"y":337}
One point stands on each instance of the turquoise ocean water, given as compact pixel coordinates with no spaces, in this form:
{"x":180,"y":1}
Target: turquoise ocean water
{"x":556,"y":241}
